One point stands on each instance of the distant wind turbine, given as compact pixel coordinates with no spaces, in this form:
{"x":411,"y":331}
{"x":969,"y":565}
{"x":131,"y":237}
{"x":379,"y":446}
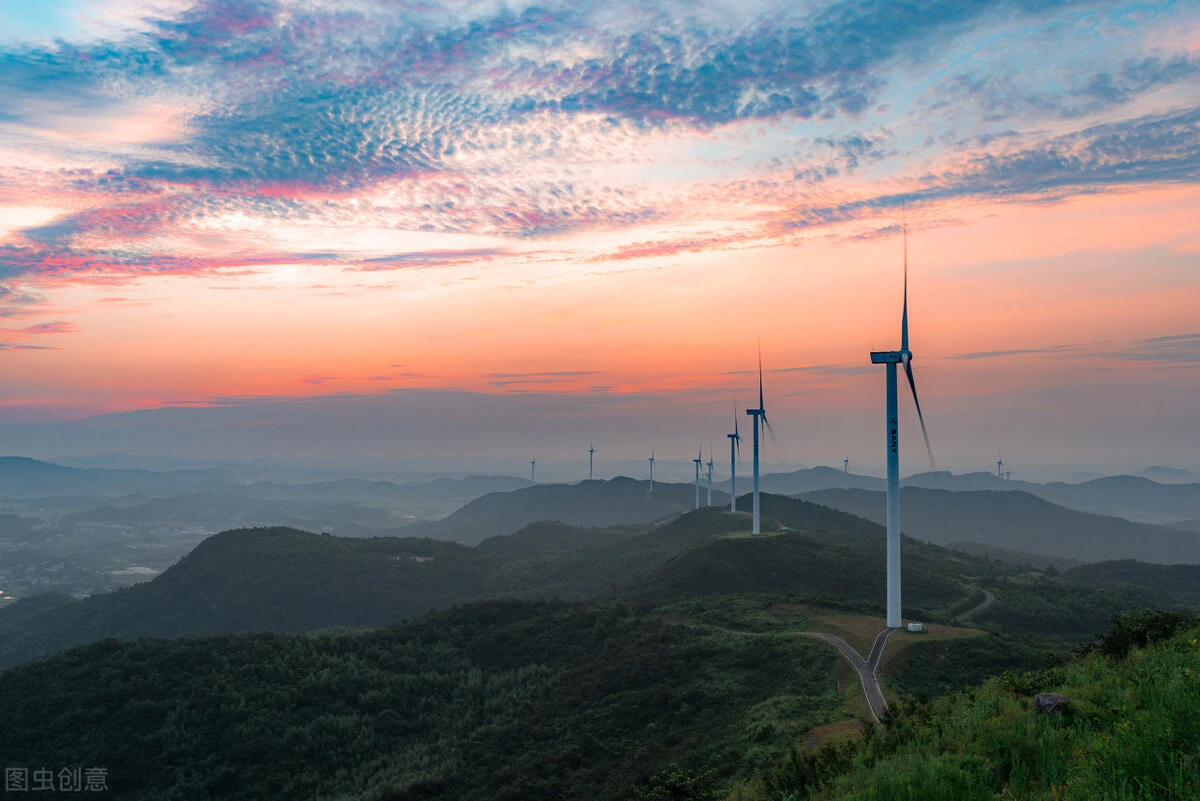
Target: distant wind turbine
{"x":735,"y":450}
{"x":758,"y":413}
{"x":698,"y":460}
{"x":533,"y":470}
{"x":1000,"y":467}
{"x":891,"y":359}
{"x":846,"y":473}
{"x":651,"y":469}
{"x":591,"y":450}
{"x":710,"y":467}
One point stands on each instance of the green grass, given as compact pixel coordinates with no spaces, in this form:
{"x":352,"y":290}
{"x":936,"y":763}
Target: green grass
{"x":760,"y":613}
{"x":1132,"y":733}
{"x":927,"y":669}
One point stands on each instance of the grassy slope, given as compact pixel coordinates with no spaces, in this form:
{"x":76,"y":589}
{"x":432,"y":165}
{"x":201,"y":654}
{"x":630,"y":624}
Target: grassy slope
{"x":1133,"y":732}
{"x":1069,"y":607}
{"x":926,"y":666}
{"x":1180,"y":581}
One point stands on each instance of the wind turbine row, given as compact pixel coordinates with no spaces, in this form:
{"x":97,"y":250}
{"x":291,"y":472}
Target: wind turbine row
{"x":890,"y":359}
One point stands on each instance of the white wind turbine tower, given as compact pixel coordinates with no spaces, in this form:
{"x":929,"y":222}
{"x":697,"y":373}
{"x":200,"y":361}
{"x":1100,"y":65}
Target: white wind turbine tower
{"x":652,"y":470}
{"x":710,"y":467}
{"x":891,"y":359}
{"x":591,"y":450}
{"x":533,"y":470}
{"x":1000,"y":468}
{"x":735,"y":450}
{"x":698,"y":461}
{"x":846,"y":473}
{"x":758,"y":413}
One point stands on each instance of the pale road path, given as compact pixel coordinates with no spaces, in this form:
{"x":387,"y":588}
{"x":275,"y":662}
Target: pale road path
{"x":988,"y":599}
{"x":864,"y":667}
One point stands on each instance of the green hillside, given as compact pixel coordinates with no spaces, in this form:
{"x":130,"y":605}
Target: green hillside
{"x":1179,"y":584}
{"x":262,"y":580}
{"x":1034,"y":560}
{"x":1131,"y":732}
{"x":16,"y":613}
{"x":551,"y":536}
{"x":817,"y":550}
{"x":501,"y":701}
{"x":284,"y":580}
{"x":1021,"y":522}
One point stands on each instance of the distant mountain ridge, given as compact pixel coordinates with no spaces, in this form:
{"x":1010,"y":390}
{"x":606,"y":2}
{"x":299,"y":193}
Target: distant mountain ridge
{"x":1138,"y":498}
{"x":25,"y":477}
{"x":1019,"y":521}
{"x":618,"y":501}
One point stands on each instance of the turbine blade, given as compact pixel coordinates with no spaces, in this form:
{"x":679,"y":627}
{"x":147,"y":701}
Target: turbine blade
{"x":767,"y":426}
{"x":760,"y":387}
{"x":913,"y":385}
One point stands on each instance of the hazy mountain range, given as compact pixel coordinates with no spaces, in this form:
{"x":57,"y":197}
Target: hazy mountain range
{"x":1018,"y":521}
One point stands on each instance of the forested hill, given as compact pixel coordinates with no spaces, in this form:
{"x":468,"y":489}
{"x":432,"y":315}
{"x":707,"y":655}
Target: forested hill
{"x":262,"y":580}
{"x":285,"y":580}
{"x":506,"y":701}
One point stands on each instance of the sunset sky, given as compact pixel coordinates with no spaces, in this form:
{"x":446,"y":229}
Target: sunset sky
{"x":319,"y":226}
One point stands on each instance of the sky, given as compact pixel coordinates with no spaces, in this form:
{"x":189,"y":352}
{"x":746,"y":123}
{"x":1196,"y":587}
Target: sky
{"x":452,"y":229}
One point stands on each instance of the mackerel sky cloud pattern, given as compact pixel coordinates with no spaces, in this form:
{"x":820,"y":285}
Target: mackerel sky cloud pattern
{"x":492,"y":118}
{"x":228,"y":140}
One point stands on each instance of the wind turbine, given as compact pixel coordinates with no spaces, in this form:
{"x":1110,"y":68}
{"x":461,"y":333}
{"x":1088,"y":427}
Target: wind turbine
{"x":710,"y":467}
{"x":591,"y":450}
{"x":698,"y":460}
{"x":533,"y":470}
{"x":735,"y":450}
{"x":1000,"y":467}
{"x":891,"y":359}
{"x":651,"y":470}
{"x":760,"y":412}
{"x":846,"y":473}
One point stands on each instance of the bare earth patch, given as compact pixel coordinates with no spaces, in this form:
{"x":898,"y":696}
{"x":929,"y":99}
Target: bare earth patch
{"x":831,"y":732}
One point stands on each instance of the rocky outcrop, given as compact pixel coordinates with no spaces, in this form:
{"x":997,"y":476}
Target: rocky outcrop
{"x":1051,"y":703}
